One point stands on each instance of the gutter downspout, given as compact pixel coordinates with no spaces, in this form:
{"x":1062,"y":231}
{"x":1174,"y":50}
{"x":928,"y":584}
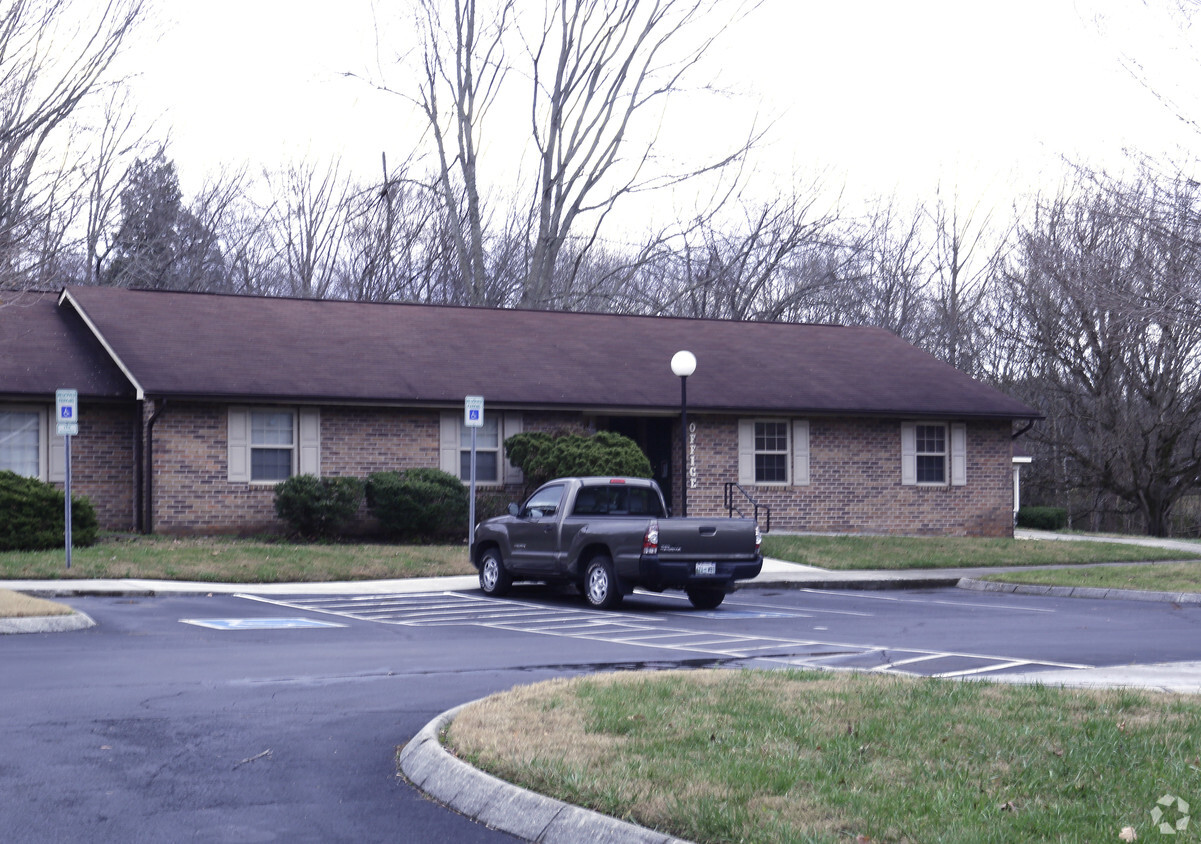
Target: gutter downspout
{"x":158,"y":411}
{"x":139,"y":468}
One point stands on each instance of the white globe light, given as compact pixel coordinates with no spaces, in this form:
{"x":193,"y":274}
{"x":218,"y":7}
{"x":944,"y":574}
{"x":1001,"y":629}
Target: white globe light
{"x":683,"y":364}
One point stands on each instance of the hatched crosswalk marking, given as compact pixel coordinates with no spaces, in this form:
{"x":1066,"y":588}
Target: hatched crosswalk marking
{"x":651,"y":631}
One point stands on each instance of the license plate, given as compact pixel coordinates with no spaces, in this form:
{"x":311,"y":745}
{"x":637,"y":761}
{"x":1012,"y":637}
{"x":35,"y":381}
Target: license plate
{"x":706,"y":568}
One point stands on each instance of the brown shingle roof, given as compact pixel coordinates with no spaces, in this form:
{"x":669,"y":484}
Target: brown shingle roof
{"x":44,"y":348}
{"x":188,"y":344}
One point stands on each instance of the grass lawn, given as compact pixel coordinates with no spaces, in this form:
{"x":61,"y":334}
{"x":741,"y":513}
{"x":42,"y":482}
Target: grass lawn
{"x":894,"y":552}
{"x":1163,"y":577}
{"x":16,"y":605}
{"x":265,"y":560}
{"x":750,"y":756}
{"x":222,"y":560}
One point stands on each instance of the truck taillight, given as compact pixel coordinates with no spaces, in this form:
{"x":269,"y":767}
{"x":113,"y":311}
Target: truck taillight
{"x":758,"y":538}
{"x":650,"y":540}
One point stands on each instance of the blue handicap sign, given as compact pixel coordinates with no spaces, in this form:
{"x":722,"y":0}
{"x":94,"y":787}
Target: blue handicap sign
{"x":66,"y":412}
{"x":258,"y":623}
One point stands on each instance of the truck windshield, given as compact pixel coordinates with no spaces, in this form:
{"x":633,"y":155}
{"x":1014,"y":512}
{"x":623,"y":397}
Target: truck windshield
{"x":617,"y":500}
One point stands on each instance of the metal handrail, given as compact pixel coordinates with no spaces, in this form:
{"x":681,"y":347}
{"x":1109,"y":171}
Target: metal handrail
{"x":732,"y":508}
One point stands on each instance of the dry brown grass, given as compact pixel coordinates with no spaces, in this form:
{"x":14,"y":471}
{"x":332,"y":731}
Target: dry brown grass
{"x":16,"y":605}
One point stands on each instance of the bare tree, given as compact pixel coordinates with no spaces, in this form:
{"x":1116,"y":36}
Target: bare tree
{"x":308,"y":226}
{"x":600,"y":73}
{"x":773,"y":263}
{"x":965,"y":255}
{"x":53,"y":55}
{"x":1106,"y":285}
{"x":888,"y":277}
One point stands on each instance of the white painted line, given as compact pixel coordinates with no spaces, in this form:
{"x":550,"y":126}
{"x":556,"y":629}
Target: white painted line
{"x":1001,"y":666}
{"x":973,"y":604}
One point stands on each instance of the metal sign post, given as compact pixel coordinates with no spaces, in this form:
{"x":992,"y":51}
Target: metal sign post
{"x":66,"y":414}
{"x":473,"y":418}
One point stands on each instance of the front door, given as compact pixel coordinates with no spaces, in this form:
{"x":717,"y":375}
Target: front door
{"x":653,"y":435}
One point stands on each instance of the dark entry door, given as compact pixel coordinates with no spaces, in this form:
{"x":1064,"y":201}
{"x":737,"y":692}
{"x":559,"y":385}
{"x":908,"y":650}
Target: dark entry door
{"x":653,"y":435}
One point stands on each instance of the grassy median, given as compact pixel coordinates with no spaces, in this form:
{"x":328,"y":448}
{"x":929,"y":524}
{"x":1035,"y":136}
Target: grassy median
{"x":722,"y":756}
{"x":899,"y":552}
{"x":268,"y":560}
{"x":227,"y":560}
{"x":16,"y":605}
{"x":1162,"y":577}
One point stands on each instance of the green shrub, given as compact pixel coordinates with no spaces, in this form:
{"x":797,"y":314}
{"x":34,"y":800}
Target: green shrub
{"x":32,"y":519}
{"x":1043,"y":518}
{"x":543,"y":456}
{"x":418,"y":504}
{"x":318,"y":507}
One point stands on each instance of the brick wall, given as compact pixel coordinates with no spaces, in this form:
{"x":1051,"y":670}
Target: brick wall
{"x":855,"y":472}
{"x":102,"y":461}
{"x":855,"y":481}
{"x":192,"y":492}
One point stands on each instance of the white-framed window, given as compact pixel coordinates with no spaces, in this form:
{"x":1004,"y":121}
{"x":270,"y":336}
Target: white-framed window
{"x":773,"y":452}
{"x":491,"y":468}
{"x":29,"y":445}
{"x":21,"y":441}
{"x":487,"y":452}
{"x":271,"y":444}
{"x":933,"y":454}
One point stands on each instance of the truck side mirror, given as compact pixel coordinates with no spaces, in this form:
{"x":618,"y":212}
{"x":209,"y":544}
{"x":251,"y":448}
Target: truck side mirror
{"x":514,"y":509}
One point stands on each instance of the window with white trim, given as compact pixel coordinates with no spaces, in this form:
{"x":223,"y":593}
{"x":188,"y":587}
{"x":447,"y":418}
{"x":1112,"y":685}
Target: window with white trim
{"x":487,"y":452}
{"x":773,"y":452}
{"x":930,"y":452}
{"x":933,"y":454}
{"x":21,"y":442}
{"x":271,"y":444}
{"x":491,"y":467}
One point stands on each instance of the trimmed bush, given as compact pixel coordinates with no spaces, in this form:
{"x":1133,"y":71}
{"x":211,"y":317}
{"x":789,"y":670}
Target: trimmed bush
{"x":418,"y":504}
{"x":543,"y":456}
{"x":318,"y":508}
{"x":1043,"y":518}
{"x":31,"y":516}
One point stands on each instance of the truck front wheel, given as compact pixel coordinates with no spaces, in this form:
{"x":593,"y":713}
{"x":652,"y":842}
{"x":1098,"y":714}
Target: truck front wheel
{"x":494,"y":578}
{"x":706,"y":599}
{"x":600,"y":584}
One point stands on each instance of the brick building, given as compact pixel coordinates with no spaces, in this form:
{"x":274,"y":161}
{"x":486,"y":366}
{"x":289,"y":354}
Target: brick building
{"x":193,"y":406}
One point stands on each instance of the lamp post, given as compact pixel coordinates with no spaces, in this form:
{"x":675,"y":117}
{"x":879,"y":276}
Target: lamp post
{"x":683,"y":364}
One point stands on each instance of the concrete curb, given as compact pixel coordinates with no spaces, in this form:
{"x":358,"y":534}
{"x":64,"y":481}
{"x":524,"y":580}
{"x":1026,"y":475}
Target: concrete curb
{"x":506,"y":807}
{"x":874,"y":582}
{"x":47,"y":623}
{"x":1188,"y":598}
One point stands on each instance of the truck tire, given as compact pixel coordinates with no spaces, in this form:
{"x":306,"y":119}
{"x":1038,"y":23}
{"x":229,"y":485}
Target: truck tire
{"x":494,"y":577}
{"x":601,"y":589}
{"x":706,"y":598}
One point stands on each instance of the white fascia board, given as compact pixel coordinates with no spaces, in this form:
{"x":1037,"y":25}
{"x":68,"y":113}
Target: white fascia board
{"x":66,"y":296}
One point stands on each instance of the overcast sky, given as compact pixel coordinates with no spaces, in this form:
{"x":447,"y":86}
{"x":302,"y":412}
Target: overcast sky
{"x":881,"y":96}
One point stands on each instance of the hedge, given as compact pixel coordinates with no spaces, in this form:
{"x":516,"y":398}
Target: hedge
{"x":32,"y":518}
{"x":418,"y":504}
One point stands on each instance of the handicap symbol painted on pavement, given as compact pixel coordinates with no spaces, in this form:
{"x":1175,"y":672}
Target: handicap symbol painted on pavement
{"x":258,"y":623}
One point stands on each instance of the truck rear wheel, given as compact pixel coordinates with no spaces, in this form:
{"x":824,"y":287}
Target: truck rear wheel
{"x":601,"y":588}
{"x":494,"y":578}
{"x":706,"y":599}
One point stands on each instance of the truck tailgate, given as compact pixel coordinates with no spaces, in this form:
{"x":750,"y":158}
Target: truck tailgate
{"x":717,"y":540}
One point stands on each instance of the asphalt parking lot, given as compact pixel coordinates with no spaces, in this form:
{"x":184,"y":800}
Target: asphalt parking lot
{"x":265,"y":717}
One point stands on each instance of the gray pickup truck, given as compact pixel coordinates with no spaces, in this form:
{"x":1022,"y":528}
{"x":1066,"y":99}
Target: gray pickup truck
{"x":609,"y":535}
